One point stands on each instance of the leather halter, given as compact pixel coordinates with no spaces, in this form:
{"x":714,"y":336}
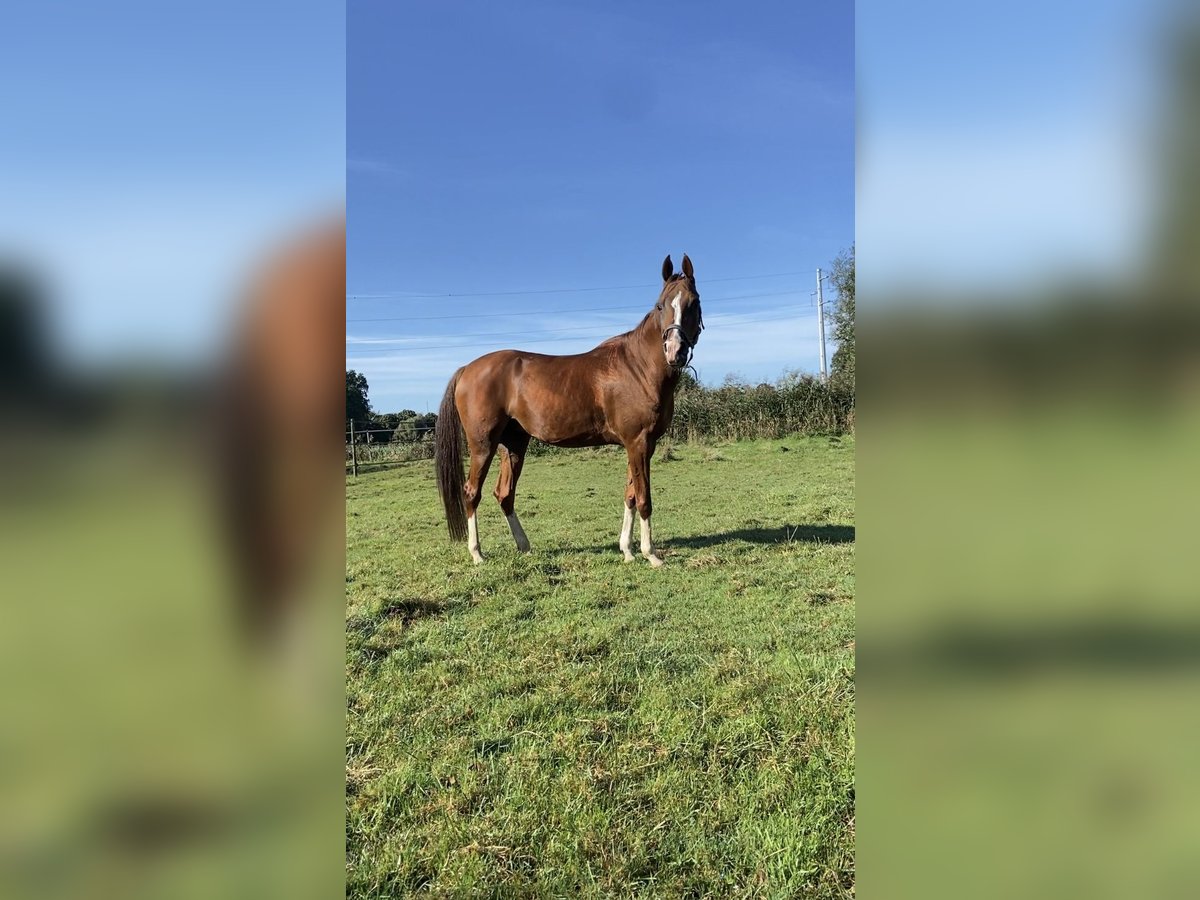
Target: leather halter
{"x":683,"y":339}
{"x":688,"y":344}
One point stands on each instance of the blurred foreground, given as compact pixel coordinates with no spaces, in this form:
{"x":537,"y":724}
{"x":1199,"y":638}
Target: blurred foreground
{"x":1029,"y":438}
{"x":159,"y":738}
{"x":172,"y":545}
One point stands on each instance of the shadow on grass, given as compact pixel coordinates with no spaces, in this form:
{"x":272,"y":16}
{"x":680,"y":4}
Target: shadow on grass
{"x":410,"y":608}
{"x":493,"y":746}
{"x":1121,"y":643}
{"x":784,"y":534}
{"x":374,"y":637}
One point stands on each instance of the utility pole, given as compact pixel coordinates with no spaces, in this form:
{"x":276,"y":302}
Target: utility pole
{"x":821,"y":325}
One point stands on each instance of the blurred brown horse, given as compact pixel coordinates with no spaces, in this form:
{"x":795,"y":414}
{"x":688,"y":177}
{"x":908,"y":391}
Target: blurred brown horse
{"x":621,"y":392}
{"x":279,"y":419}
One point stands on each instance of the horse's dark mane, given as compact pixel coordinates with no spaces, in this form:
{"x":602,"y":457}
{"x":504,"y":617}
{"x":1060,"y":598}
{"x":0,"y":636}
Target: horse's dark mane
{"x":625,"y":335}
{"x":678,"y":276}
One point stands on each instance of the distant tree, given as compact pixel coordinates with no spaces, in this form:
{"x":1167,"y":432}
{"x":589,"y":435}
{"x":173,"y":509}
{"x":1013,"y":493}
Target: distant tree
{"x":358,"y":407}
{"x":841,"y":318}
{"x":382,"y":426}
{"x":1173,"y":264}
{"x":26,"y":363}
{"x":423,"y":424}
{"x":406,"y":425}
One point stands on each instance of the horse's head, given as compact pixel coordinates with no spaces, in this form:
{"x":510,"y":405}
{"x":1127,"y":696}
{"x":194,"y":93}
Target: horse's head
{"x":679,"y":313}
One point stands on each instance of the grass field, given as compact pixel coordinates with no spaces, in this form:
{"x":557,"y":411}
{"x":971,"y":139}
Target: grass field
{"x":565,"y":724}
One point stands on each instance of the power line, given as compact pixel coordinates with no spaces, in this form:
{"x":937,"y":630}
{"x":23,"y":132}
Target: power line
{"x":590,"y":327}
{"x":719,"y":317}
{"x":542,"y":312}
{"x":601,"y":334}
{"x":535,"y":312}
{"x":411,"y":295}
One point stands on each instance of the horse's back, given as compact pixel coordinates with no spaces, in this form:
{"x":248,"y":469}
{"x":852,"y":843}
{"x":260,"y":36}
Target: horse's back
{"x":557,"y":399}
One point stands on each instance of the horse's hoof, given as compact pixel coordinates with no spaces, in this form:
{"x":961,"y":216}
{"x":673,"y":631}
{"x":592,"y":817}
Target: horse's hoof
{"x":654,"y":561}
{"x":477,"y":558}
{"x":629,"y":557}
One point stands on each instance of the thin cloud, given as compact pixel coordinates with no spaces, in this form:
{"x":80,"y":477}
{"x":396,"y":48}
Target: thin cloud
{"x":759,"y":350}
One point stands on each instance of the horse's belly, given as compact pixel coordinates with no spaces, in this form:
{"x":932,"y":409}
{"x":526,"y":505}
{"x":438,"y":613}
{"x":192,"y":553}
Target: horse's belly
{"x":579,"y":440}
{"x":565,"y":430}
{"x":561,"y":424}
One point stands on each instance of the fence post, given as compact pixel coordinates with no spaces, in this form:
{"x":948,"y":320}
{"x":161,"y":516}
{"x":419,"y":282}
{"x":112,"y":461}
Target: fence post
{"x":353,"y":451}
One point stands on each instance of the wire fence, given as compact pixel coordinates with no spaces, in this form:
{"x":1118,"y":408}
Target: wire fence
{"x":376,"y":447}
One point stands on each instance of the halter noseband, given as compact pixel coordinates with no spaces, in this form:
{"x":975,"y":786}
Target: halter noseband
{"x":687,"y":345}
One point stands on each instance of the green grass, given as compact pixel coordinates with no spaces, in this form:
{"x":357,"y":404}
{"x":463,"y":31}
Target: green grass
{"x":564,"y":724}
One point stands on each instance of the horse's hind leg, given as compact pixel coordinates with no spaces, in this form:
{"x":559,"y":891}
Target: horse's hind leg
{"x":482,"y":452}
{"x":514,"y":443}
{"x":626,"y":535}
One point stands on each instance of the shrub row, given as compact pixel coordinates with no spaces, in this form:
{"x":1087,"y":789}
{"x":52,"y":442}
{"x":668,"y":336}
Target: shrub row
{"x":794,"y":405}
{"x":732,"y":412}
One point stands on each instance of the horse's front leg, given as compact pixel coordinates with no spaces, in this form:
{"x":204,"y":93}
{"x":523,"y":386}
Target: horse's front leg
{"x":637,"y":494}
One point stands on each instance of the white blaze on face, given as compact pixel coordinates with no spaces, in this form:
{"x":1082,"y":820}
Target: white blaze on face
{"x":674,"y":344}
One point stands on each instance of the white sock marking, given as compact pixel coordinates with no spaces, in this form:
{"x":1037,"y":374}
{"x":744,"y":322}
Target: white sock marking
{"x":627,"y":533}
{"x":473,"y":539}
{"x":648,"y":546}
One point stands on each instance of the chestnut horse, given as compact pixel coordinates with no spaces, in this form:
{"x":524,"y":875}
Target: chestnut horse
{"x":621,"y":392}
{"x":276,"y":422}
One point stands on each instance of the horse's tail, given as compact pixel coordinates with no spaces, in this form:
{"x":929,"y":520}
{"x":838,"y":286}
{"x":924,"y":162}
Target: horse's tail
{"x":448,"y":460}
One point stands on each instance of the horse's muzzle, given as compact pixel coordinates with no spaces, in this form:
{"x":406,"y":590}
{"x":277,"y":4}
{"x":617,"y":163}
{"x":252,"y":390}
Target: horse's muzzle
{"x":683,"y":356}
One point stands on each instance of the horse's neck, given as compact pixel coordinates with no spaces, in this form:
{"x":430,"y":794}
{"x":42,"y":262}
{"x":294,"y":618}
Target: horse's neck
{"x":646,"y":345}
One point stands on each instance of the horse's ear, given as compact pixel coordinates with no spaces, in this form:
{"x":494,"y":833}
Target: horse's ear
{"x":668,"y":268}
{"x":687,"y":267}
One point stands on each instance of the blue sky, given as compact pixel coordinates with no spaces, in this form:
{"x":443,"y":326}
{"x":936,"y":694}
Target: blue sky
{"x":521,"y":148}
{"x":1004,"y":146}
{"x":153,"y":152}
